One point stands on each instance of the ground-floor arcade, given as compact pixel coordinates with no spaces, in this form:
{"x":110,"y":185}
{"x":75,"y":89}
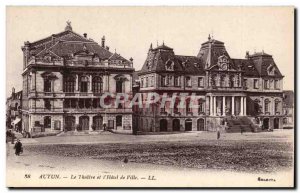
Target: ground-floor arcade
{"x":40,"y":122}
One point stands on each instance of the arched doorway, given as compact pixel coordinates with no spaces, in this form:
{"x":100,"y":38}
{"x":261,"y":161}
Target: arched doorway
{"x":163,"y":125}
{"x":276,"y":123}
{"x":188,"y":125}
{"x":200,"y":125}
{"x":266,"y":124}
{"x":70,"y":123}
{"x":176,"y":125}
{"x":84,"y":122}
{"x":98,"y":122}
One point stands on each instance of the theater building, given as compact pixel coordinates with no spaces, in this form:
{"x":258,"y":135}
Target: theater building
{"x":231,"y":94}
{"x":63,"y":78}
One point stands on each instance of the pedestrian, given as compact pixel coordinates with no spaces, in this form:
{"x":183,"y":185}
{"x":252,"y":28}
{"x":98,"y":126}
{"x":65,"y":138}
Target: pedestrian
{"x":18,"y":147}
{"x":218,"y":134}
{"x":242,"y":130}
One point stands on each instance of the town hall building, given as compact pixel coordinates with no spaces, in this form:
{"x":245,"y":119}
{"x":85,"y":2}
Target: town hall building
{"x":231,"y":94}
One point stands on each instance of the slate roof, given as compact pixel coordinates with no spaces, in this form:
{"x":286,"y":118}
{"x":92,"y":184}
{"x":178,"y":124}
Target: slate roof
{"x":67,"y":43}
{"x":247,"y":66}
{"x":262,"y":61}
{"x":158,"y":58}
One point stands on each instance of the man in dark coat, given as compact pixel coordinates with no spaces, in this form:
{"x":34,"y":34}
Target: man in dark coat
{"x":18,"y":147}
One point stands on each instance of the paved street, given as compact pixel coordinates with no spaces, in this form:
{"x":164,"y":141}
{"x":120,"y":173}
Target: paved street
{"x":42,"y":158}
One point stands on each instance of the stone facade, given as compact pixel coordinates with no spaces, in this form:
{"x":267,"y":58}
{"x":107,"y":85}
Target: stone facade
{"x":63,"y":79}
{"x":224,"y":87}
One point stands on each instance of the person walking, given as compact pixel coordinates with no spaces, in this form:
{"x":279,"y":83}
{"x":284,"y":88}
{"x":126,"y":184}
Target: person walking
{"x":18,"y":147}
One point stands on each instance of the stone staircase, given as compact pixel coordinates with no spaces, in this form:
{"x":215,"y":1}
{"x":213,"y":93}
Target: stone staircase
{"x":238,"y":123}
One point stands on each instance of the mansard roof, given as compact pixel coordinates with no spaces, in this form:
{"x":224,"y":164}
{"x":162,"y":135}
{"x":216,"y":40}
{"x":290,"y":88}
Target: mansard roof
{"x":162,"y":59}
{"x":247,"y":66}
{"x":265,"y":64}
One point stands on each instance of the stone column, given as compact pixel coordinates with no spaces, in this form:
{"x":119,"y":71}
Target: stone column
{"x":232,"y":105}
{"x":223,"y":105}
{"x":210,"y":105}
{"x":76,"y":121}
{"x":215,"y":105}
{"x":245,"y":106}
{"x":90,"y":123}
{"x":91,"y":81}
{"x":242,"y":106}
{"x":77,"y":87}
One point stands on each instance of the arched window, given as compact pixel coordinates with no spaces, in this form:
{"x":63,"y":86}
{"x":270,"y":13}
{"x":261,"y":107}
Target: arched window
{"x":70,"y":84}
{"x":84,"y":84}
{"x":267,"y":105}
{"x":277,"y":102}
{"x":97,"y":84}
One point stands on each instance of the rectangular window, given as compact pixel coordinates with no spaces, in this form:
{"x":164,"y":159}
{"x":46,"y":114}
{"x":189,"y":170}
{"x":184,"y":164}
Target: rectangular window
{"x":200,"y":82}
{"x":255,"y":84}
{"x":163,"y":81}
{"x":276,"y":106}
{"x":176,"y":81}
{"x":266,"y":84}
{"x":142,"y":83}
{"x":245,"y":83}
{"x":146,"y":82}
{"x":170,"y":78}
{"x":276,"y":84}
{"x":47,"y":85}
{"x":200,"y":107}
{"x":188,"y":81}
{"x":47,"y":104}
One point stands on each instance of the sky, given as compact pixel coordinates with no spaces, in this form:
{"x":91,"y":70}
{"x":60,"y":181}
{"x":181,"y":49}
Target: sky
{"x":131,"y":30}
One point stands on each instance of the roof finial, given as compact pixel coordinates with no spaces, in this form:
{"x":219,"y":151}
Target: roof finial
{"x":209,"y":38}
{"x":150,"y":46}
{"x":68,"y":26}
{"x":115,"y":50}
{"x":163,"y":42}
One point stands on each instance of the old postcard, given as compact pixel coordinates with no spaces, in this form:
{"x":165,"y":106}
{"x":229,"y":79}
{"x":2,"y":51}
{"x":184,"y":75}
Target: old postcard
{"x":150,"y":97}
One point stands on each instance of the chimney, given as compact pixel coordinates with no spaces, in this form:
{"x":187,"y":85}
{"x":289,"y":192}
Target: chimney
{"x":85,"y":35}
{"x":103,"y":42}
{"x":247,"y":55}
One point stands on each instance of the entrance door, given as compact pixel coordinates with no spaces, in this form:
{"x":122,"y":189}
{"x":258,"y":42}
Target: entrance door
{"x":276,"y":123}
{"x":70,"y":123}
{"x":176,"y":125}
{"x":188,"y":125}
{"x":119,"y":122}
{"x":98,"y":122}
{"x":163,"y":125}
{"x":200,"y":125}
{"x":266,"y":124}
{"x":84,"y":122}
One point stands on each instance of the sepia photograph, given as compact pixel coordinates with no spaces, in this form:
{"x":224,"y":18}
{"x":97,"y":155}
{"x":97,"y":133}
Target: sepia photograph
{"x":150,"y":97}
